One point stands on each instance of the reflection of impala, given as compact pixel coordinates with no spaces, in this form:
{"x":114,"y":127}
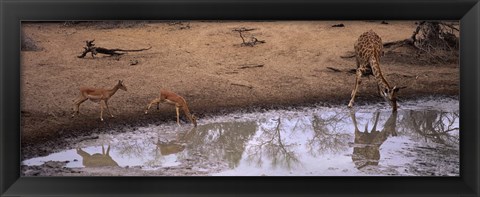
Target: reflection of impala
{"x":172,"y":98}
{"x":97,"y":159}
{"x":366,"y":150}
{"x":168,"y":148}
{"x":175,"y":146}
{"x":97,"y":95}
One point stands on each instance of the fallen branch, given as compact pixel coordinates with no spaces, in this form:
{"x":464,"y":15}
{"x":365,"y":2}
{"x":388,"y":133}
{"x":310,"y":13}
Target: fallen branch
{"x":403,"y":75}
{"x":397,"y":43}
{"x":90,"y":48}
{"x":351,"y":71}
{"x":242,"y":29}
{"x":253,"y":41}
{"x":334,"y":69}
{"x":250,"y":66}
{"x":243,"y":85}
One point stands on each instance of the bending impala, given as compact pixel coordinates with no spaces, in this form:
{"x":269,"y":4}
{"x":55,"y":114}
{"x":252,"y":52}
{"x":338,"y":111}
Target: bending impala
{"x":97,"y":95}
{"x":172,"y":98}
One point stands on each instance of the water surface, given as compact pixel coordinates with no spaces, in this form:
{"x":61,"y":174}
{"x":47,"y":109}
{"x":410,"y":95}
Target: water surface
{"x":421,"y":139}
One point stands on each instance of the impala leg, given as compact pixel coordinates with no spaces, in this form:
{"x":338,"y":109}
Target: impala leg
{"x":108,"y":109}
{"x":154,"y":101}
{"x":354,"y":91}
{"x":178,"y":115}
{"x":101,"y":111}
{"x":190,"y":116}
{"x":76,"y":105}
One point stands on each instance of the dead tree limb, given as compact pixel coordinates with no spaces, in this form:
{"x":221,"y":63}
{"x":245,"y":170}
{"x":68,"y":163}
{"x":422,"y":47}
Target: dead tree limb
{"x":250,"y":66}
{"x":350,"y":71}
{"x":253,"y":41}
{"x":91,"y":48}
{"x":242,"y":85}
{"x":334,"y":69}
{"x":397,"y":43}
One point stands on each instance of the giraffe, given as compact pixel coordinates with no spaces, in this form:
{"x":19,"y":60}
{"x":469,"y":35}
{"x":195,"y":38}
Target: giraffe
{"x":368,"y":49}
{"x":366,"y":150}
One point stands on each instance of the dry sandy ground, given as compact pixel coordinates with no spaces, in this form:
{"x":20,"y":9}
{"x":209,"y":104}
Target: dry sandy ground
{"x":202,"y":61}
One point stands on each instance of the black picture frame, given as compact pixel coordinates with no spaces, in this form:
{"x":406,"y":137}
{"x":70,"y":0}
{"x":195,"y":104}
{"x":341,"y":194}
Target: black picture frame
{"x":13,"y":12}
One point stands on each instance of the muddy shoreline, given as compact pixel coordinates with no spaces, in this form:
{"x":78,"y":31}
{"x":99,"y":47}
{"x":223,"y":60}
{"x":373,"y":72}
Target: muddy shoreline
{"x":61,"y":137}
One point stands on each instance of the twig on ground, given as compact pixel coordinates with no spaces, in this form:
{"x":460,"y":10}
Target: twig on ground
{"x":243,"y":85}
{"x":253,"y":41}
{"x":244,"y":66}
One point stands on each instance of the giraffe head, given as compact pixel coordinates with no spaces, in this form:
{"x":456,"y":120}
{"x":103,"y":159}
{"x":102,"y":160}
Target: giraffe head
{"x":390,"y":96}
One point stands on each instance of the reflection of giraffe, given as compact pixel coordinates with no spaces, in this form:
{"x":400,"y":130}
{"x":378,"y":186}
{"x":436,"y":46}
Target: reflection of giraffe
{"x":368,"y":49}
{"x":366,"y":149}
{"x":97,"y":159}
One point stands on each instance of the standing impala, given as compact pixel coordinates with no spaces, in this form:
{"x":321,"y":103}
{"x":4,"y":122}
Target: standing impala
{"x":172,"y":98}
{"x":97,"y":95}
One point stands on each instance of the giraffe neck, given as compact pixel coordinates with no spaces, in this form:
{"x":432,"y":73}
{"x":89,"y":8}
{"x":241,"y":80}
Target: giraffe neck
{"x":377,"y":73}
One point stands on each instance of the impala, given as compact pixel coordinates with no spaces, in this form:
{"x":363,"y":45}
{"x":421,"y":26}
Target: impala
{"x":97,"y":159}
{"x":172,"y":98}
{"x":97,"y":95}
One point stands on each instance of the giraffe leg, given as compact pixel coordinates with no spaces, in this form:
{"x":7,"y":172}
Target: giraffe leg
{"x":378,"y":89}
{"x":355,"y":89}
{"x":354,"y":120}
{"x":178,"y":115}
{"x":377,"y":115}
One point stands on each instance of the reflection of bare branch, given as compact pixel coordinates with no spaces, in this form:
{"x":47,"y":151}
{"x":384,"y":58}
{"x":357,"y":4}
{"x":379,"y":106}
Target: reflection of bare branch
{"x":272,"y":144}
{"x":434,"y":126}
{"x":326,"y":137}
{"x":221,"y":141}
{"x":132,"y":148}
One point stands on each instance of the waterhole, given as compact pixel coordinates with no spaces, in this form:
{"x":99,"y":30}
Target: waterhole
{"x":421,"y":139}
